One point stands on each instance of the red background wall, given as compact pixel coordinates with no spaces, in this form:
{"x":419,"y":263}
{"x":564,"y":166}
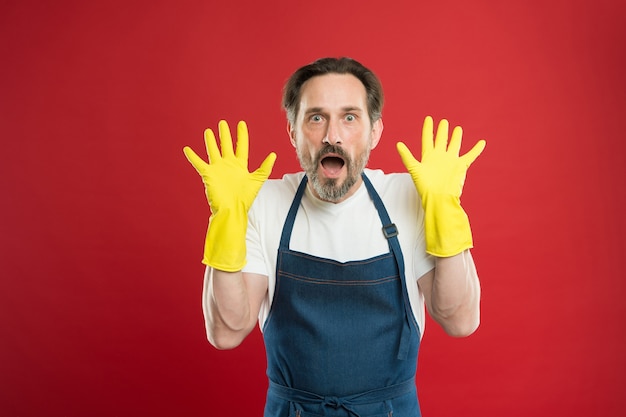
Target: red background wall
{"x":102,"y":219}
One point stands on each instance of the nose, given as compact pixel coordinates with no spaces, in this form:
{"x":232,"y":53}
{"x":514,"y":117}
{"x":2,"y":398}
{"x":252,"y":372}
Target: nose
{"x":332,"y":136}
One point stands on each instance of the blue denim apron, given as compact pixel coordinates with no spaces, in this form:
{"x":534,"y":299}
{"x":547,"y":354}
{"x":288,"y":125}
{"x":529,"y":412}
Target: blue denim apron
{"x":341,"y":339}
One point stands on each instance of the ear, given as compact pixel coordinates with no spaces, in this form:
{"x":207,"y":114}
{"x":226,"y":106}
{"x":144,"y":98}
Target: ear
{"x":292,"y":133}
{"x":377,"y":131}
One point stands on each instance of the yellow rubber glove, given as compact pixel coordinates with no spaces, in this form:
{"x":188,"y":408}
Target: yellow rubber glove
{"x":439,"y":179}
{"x":230,"y":191}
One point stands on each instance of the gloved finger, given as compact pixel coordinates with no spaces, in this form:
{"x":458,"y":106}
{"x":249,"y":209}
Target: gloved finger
{"x":441,"y":138}
{"x":427,"y":136}
{"x":194,"y":159}
{"x":407,"y":157}
{"x":265,"y":169}
{"x":211,"y":146}
{"x":455,"y":141}
{"x":473,"y":153}
{"x":241,"y":152}
{"x":226,"y":140}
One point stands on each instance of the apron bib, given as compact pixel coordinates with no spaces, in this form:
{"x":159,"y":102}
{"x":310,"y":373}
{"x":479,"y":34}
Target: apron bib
{"x":341,"y":339}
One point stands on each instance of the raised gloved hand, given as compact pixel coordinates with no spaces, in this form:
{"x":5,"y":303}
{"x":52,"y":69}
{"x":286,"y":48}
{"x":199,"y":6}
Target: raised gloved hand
{"x":439,"y":179}
{"x":230,"y":191}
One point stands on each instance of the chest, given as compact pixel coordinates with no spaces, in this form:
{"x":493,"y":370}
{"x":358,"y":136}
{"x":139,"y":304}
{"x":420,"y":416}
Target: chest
{"x":342,"y":234}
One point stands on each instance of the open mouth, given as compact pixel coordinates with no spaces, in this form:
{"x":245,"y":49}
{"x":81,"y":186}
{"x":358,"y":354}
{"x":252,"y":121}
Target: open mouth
{"x":332,"y":164}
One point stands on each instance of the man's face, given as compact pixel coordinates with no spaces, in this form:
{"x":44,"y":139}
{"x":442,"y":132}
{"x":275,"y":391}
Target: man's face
{"x":333,"y":134}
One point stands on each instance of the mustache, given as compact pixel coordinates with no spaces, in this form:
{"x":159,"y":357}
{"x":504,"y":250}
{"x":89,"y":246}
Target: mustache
{"x":334,"y":149}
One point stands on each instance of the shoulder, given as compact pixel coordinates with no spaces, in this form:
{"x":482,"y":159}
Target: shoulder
{"x":288,"y":184}
{"x":398,"y":193}
{"x":391,"y":183}
{"x":276,"y":191}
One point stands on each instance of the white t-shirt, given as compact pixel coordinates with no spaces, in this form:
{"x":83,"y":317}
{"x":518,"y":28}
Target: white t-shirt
{"x":346,"y":231}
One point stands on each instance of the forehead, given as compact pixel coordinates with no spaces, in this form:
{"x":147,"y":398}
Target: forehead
{"x":333,"y":91}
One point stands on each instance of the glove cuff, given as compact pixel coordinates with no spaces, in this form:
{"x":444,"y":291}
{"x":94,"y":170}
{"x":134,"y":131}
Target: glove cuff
{"x":225,"y":244}
{"x":446,"y":226}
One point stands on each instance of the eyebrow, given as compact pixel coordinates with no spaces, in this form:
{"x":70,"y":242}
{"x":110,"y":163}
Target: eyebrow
{"x":344,"y":109}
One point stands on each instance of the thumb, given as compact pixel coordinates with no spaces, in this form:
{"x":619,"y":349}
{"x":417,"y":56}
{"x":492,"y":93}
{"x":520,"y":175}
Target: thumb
{"x":473,"y":153}
{"x":405,"y":154}
{"x":265,"y":169}
{"x":194,"y":159}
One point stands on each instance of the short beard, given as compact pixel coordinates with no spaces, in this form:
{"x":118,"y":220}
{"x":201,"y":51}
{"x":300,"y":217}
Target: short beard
{"x":329,"y":189}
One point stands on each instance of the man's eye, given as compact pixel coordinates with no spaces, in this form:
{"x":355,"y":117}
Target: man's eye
{"x":350,"y":117}
{"x":316,"y":118}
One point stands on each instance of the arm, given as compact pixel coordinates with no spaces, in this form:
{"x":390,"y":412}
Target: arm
{"x":452,"y":294}
{"x":231,"y":299}
{"x":231,"y":302}
{"x":451,"y":290}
